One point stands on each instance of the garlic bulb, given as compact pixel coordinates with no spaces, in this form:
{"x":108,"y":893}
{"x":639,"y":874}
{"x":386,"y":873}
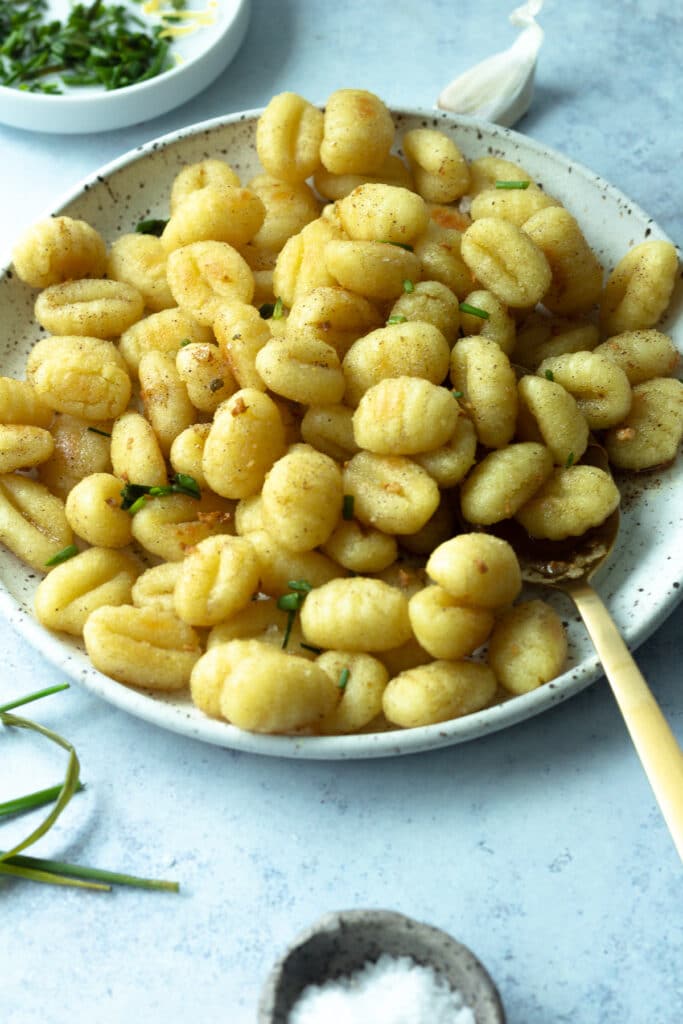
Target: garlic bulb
{"x":500,"y":88}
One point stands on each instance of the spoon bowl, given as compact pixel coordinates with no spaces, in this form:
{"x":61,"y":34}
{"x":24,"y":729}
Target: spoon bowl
{"x":569,"y":565}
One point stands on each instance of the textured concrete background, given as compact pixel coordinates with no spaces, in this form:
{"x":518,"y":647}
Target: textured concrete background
{"x":541,"y":847}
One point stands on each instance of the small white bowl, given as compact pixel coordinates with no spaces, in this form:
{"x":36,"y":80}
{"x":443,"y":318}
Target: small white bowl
{"x":204,"y":54}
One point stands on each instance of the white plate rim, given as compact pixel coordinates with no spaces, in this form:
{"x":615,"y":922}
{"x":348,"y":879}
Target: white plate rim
{"x":179,"y":717}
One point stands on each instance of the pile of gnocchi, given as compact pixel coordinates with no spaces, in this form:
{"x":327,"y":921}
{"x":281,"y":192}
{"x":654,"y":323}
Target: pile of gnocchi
{"x":257,"y":451}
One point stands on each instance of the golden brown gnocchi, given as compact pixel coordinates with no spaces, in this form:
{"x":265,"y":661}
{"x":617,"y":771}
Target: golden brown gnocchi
{"x":327,"y":395}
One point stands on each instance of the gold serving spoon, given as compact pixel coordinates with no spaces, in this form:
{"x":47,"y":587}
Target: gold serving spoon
{"x":569,"y":566}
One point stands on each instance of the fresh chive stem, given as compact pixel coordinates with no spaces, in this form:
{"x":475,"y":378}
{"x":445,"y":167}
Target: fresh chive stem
{"x":69,"y":786}
{"x":96,"y":874}
{"x":397,"y":318}
{"x":348,"y":506}
{"x":29,"y":698}
{"x":343,"y":678}
{"x":49,"y":877}
{"x":32,"y":800}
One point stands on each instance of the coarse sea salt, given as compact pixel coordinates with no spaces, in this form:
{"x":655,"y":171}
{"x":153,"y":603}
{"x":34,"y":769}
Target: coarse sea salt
{"x":391,"y":990}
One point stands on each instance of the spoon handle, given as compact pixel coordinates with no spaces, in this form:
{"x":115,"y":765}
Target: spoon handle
{"x":657,"y":747}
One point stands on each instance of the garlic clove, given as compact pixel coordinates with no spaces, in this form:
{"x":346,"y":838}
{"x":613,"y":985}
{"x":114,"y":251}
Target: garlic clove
{"x":500,"y":88}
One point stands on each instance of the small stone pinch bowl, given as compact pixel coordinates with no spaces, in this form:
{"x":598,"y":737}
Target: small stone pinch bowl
{"x":341,"y":943}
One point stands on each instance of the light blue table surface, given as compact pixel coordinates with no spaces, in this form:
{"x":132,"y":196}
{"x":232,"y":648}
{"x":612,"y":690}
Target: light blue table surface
{"x":540,"y":847}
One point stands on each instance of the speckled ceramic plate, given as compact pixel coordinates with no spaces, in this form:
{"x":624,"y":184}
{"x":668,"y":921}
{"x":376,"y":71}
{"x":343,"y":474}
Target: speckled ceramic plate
{"x":215,"y":31}
{"x":641,"y":584}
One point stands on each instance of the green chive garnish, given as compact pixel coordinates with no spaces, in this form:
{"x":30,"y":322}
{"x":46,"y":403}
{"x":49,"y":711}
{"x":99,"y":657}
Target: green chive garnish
{"x":151,"y":227}
{"x":397,"y":318}
{"x":347,"y":506}
{"x":343,"y":678}
{"x":512,"y":184}
{"x":291,"y":603}
{"x":310,"y":647}
{"x":138,"y":504}
{"x":474,"y":311}
{"x":570,"y":460}
{"x":135,"y":495}
{"x":185,"y":341}
{"x":96,"y":44}
{"x":291,"y":616}
{"x":401,"y":245}
{"x":408,"y":286}
{"x":549,"y":375}
{"x":302,"y":586}
{"x":63,"y":556}
{"x":457,"y":394}
{"x":278,"y":309}
{"x":183,"y":483}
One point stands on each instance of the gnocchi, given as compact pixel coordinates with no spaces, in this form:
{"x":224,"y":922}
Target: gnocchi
{"x":267,"y":433}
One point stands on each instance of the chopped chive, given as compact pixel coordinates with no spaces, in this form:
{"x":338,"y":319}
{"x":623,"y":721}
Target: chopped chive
{"x":96,"y":44}
{"x":310,"y":647}
{"x":278,"y":309}
{"x":291,"y":615}
{"x":63,"y":556}
{"x":457,"y":394}
{"x":397,"y":318}
{"x":96,"y":430}
{"x":289,"y":602}
{"x":183,"y":483}
{"x":474,"y":311}
{"x":130,"y":494}
{"x":138,"y":504}
{"x":151,"y":227}
{"x":266,"y":310}
{"x":303,"y":586}
{"x":401,"y":245}
{"x":135,"y":495}
{"x":347,"y":506}
{"x":570,"y":460}
{"x":512,"y":184}
{"x":408,"y":286}
{"x":549,"y":375}
{"x":185,"y":341}
{"x":343,"y":678}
